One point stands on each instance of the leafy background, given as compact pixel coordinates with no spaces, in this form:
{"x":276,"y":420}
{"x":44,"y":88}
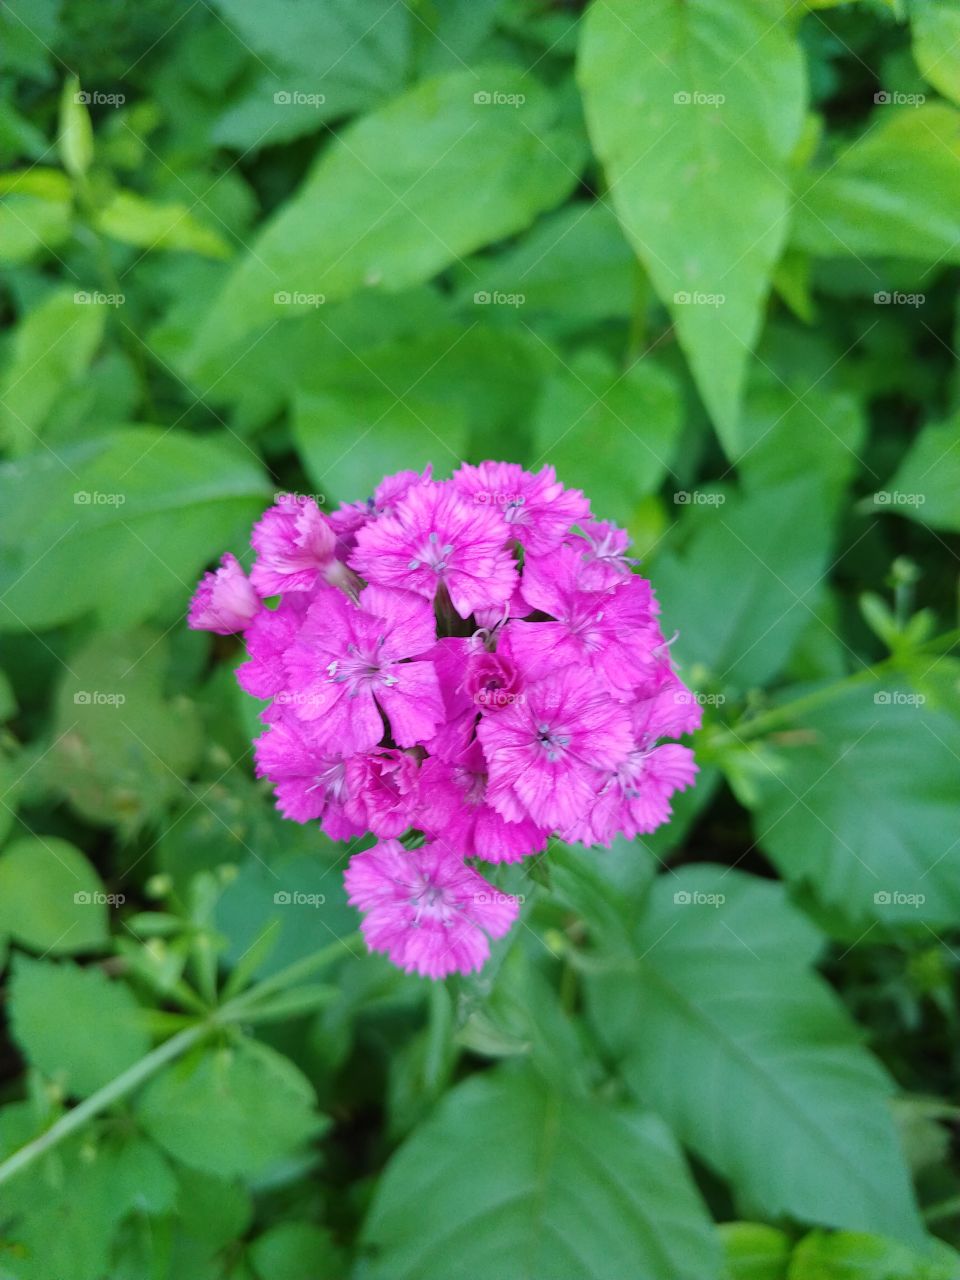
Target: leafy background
{"x":701,"y":256}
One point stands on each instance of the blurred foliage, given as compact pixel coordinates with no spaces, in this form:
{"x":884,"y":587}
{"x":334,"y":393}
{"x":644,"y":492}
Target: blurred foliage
{"x":701,"y":256}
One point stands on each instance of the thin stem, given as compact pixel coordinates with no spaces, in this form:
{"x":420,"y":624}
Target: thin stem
{"x":233,"y":1011}
{"x":103,"y":1098}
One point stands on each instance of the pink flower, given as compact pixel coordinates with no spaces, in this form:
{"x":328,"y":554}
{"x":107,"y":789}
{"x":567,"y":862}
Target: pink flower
{"x":436,"y":539}
{"x":382,"y":789}
{"x":295,"y":544}
{"x":605,"y":560}
{"x":224,"y":601}
{"x":455,"y":810}
{"x":537,"y":508}
{"x":350,"y":666}
{"x":308,"y":784}
{"x":613,"y":632}
{"x":270,"y":633}
{"x":635,"y":797}
{"x":425,"y":908}
{"x":542,"y":753}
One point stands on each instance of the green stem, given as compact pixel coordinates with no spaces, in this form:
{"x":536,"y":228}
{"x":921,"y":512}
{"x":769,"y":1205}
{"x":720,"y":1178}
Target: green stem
{"x":103,"y":1098}
{"x":772,"y":719}
{"x":233,"y":1011}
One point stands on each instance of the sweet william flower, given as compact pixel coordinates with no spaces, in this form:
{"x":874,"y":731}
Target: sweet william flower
{"x":429,"y":911}
{"x":434,"y":539}
{"x":473,"y":663}
{"x":225,"y":600}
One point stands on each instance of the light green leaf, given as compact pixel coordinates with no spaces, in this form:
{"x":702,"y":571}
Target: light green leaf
{"x":384,"y":206}
{"x":297,"y":1251}
{"x":76,"y":131}
{"x":926,"y":485}
{"x":751,"y":1058}
{"x":132,"y":219}
{"x":742,"y":588}
{"x":865,"y":202}
{"x":559,"y":1186}
{"x":936,"y":44}
{"x":849,"y":1256}
{"x":838,"y":811}
{"x":75,"y":1025}
{"x":120,"y":524}
{"x":31,"y":227}
{"x":694,"y":108}
{"x":754,"y":1251}
{"x":51,"y":898}
{"x":52,"y":350}
{"x":611,"y":433}
{"x":231,"y":1110}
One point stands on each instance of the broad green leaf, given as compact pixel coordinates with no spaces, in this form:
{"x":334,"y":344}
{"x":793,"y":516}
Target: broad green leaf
{"x":52,"y":350}
{"x":120,"y":748}
{"x":313,"y":63}
{"x":230,"y":1110}
{"x":296,"y":1251}
{"x":751,"y":1058}
{"x":559,"y":1186}
{"x":298,"y":901}
{"x":865,"y":202}
{"x":849,"y":1256}
{"x":31,"y":227}
{"x":613,"y":434}
{"x":926,"y":485}
{"x":693,"y":108}
{"x":131,"y":219}
{"x":384,"y":206}
{"x":75,"y":1025}
{"x":839,"y":812}
{"x":51,"y":898}
{"x":348,"y":444}
{"x":754,"y":1251}
{"x":936,"y":44}
{"x":574,"y":266}
{"x":120,"y":524}
{"x":743,"y":587}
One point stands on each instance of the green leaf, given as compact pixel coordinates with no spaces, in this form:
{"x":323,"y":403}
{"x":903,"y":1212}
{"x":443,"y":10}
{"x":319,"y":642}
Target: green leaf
{"x":926,"y":485}
{"x":754,"y":1251}
{"x":120,"y":748}
{"x":120,"y":524}
{"x":612,"y":434}
{"x":76,"y":132}
{"x":131,"y":219}
{"x":839,"y":812}
{"x":348,"y":444}
{"x":864,"y":203}
{"x":384,"y":208}
{"x":297,"y":1251}
{"x":849,"y":1256}
{"x":52,"y":350}
{"x":751,"y":1058}
{"x":231,"y":1110}
{"x":314,"y":63}
{"x":75,"y":1025}
{"x":559,"y":1186}
{"x":32,"y":227}
{"x":935,"y":25}
{"x":742,"y":588}
{"x":694,"y":108}
{"x":51,"y":898}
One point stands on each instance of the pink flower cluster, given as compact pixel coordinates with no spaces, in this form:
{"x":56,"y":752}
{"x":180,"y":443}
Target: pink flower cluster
{"x":471,"y":664}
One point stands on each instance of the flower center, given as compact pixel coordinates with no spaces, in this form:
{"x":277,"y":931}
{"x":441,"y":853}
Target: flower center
{"x":554,"y":744}
{"x":431,"y":555}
